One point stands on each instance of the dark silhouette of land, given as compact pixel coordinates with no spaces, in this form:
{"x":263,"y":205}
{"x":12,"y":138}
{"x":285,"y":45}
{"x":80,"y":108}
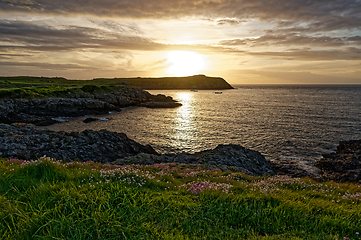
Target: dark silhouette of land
{"x":199,"y":82}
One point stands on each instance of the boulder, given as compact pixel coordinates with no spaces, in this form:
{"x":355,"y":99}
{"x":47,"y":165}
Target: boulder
{"x":225,"y":157}
{"x":90,"y":119}
{"x":343,"y":165}
{"x":296,"y":168}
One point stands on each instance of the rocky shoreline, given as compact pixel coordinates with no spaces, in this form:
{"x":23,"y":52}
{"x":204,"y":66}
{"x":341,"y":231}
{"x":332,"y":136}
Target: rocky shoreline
{"x":26,"y":141}
{"x":45,"y":111}
{"x":19,"y":138}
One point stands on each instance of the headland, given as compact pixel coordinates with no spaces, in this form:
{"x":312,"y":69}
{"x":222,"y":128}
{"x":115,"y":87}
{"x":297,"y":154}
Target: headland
{"x":199,"y":82}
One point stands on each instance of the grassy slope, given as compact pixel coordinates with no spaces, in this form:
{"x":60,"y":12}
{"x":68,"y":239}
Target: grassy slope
{"x":46,"y":199}
{"x":145,"y":83}
{"x":55,"y":91}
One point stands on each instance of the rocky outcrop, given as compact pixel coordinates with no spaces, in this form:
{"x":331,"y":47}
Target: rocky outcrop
{"x":44,"y":111}
{"x":296,"y":168}
{"x":225,"y":157}
{"x":161,"y":101}
{"x":344,"y":164}
{"x":24,"y":141}
{"x":161,"y":104}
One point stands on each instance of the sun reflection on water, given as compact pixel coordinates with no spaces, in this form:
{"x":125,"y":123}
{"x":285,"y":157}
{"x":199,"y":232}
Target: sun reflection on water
{"x":185,"y":131}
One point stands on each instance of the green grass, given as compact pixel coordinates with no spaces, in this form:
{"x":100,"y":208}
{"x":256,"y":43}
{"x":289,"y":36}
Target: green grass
{"x":48,"y":199}
{"x":198,"y":81}
{"x":39,"y":87}
{"x":55,"y":91}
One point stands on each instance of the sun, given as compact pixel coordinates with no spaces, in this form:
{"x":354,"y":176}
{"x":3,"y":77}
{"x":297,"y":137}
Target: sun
{"x":185,"y":63}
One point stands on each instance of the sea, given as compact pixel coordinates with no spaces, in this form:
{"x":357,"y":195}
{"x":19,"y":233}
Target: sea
{"x":282,"y":122}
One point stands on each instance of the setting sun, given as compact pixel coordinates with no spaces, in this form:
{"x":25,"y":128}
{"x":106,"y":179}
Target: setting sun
{"x":185,"y":63}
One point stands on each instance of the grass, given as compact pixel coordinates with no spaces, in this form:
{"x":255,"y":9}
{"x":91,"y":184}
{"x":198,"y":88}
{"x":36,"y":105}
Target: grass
{"x":55,"y":91}
{"x":39,"y":87}
{"x":198,"y":81}
{"x":49,"y":199}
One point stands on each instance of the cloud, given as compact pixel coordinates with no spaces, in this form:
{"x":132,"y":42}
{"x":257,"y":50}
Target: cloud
{"x":11,"y":56}
{"x":295,"y":39}
{"x":319,"y":15}
{"x":26,"y":35}
{"x":229,"y":21}
{"x":313,"y":55}
{"x":117,"y":27}
{"x":45,"y":66}
{"x":302,"y":77}
{"x":20,"y":36}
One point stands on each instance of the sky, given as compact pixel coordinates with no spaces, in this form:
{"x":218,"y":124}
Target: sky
{"x":243,"y":41}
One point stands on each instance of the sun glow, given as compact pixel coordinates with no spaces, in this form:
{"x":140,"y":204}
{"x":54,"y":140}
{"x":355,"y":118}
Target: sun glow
{"x":185,"y":63}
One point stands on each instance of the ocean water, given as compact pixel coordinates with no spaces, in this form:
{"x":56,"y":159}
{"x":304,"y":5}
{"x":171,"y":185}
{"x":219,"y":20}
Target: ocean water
{"x":281,"y":122}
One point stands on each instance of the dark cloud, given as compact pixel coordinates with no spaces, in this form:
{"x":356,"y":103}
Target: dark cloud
{"x":319,"y":15}
{"x":229,"y":21}
{"x":9,"y":55}
{"x":299,"y":54}
{"x":45,"y":66}
{"x":25,"y":35}
{"x":295,"y":39}
{"x":117,"y":27}
{"x":20,"y":36}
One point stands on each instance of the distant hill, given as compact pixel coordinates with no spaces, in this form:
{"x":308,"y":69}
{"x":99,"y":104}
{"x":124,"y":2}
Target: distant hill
{"x":200,"y":82}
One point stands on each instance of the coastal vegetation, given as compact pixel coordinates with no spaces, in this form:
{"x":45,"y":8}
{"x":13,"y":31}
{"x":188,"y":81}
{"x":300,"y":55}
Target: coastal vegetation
{"x":55,"y":91}
{"x":50,"y":199}
{"x":191,"y":82}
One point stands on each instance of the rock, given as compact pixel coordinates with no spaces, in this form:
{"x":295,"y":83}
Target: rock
{"x":90,"y":119}
{"x":161,"y":104}
{"x":162,"y":98}
{"x":296,"y":168}
{"x":25,"y":141}
{"x":44,"y":111}
{"x":344,"y":164}
{"x":226,"y":157}
{"x":245,"y":160}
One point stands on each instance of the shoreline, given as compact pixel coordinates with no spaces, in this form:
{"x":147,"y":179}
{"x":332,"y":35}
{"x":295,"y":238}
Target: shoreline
{"x":24,"y":141}
{"x":28,"y":142}
{"x":89,"y":100}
